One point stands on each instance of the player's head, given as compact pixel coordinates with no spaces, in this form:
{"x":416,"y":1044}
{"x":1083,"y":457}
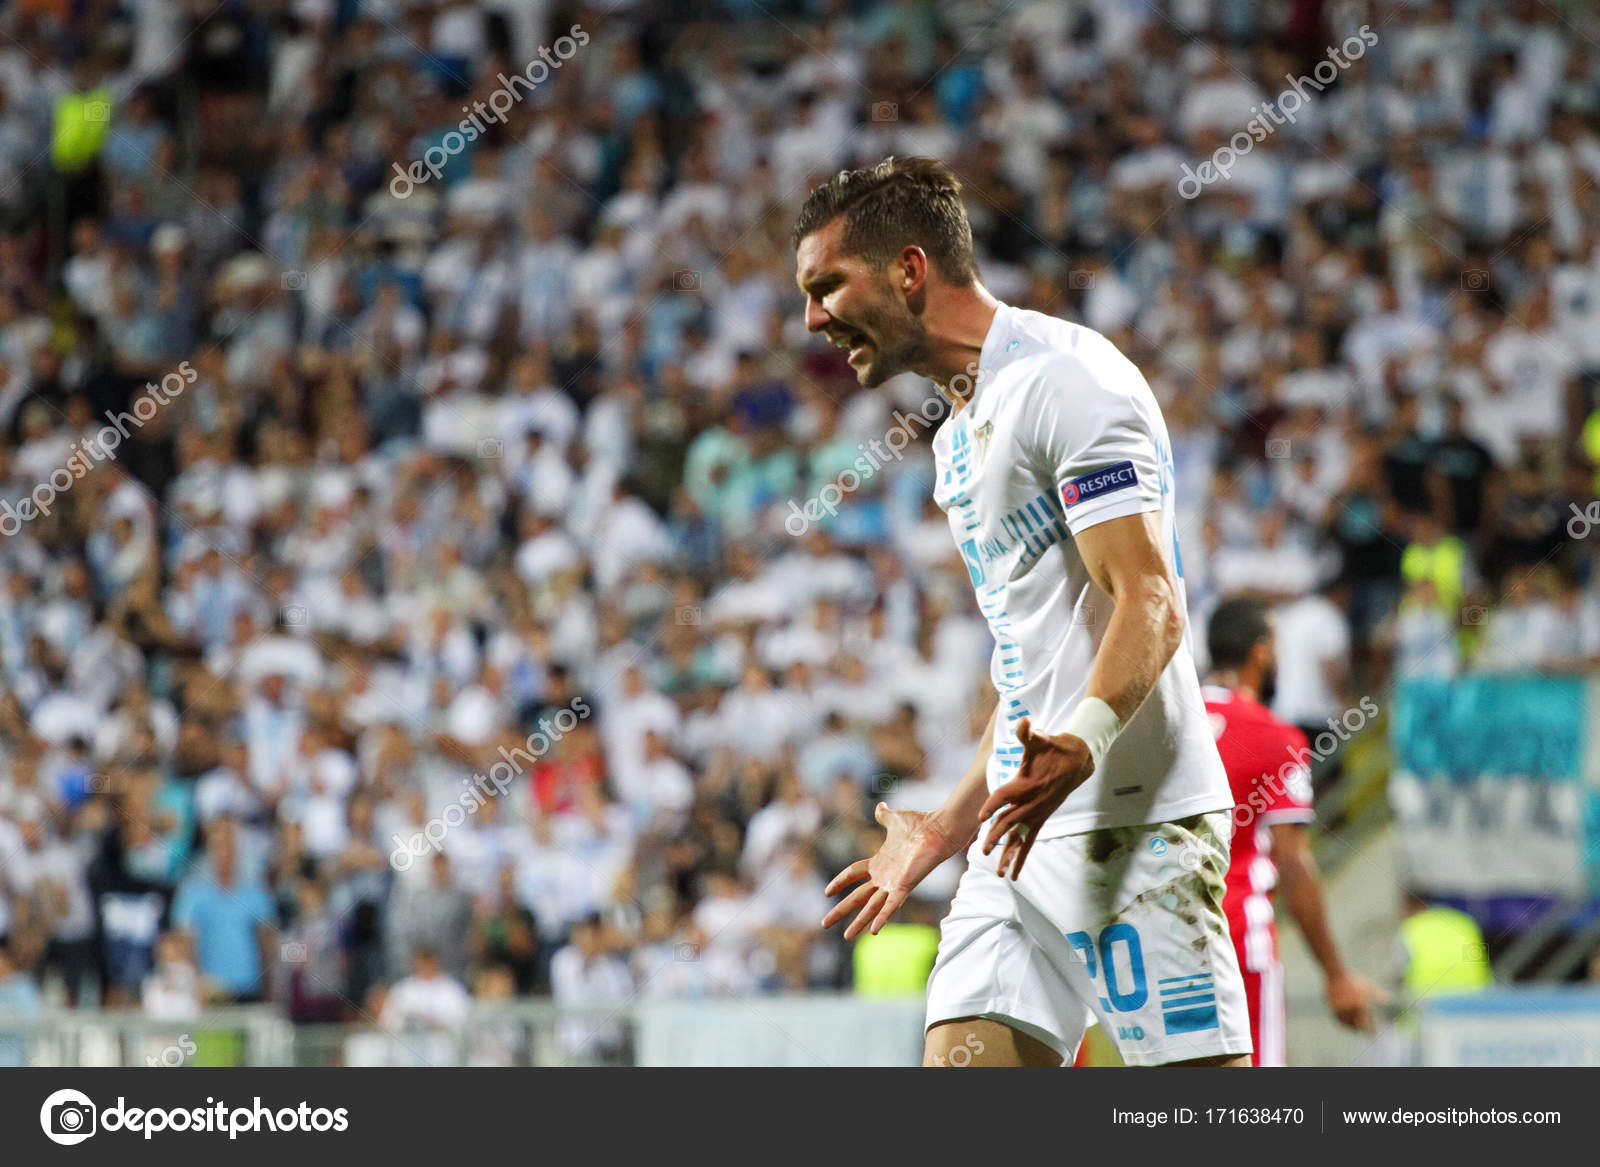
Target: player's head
{"x":868,"y":243}
{"x":1240,"y":641}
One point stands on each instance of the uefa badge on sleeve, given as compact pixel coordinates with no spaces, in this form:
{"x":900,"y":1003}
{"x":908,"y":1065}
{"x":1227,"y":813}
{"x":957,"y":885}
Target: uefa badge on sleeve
{"x":1119,"y":476}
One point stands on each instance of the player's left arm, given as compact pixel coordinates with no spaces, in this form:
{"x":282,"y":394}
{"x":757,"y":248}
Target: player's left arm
{"x":1350,"y":995}
{"x":1124,"y":558}
{"x":1147,"y":619}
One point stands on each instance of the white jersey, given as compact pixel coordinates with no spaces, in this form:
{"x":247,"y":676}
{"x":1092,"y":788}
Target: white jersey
{"x":1061,"y":433}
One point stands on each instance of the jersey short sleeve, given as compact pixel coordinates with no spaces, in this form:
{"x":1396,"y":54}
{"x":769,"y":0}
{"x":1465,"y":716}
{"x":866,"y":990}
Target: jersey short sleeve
{"x":1084,"y":428}
{"x":1288,"y":787}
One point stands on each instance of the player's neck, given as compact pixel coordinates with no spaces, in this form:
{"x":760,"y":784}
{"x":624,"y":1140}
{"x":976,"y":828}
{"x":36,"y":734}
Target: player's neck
{"x":1231,"y":680}
{"x":964,"y":317}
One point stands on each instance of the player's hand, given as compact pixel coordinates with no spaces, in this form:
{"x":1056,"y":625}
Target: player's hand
{"x":1351,"y":997}
{"x":1052,"y":768}
{"x":914,"y":845}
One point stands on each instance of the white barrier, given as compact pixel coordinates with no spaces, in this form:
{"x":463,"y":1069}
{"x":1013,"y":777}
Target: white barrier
{"x":1531,"y":1026}
{"x":812,"y":1030}
{"x":781,"y":1031}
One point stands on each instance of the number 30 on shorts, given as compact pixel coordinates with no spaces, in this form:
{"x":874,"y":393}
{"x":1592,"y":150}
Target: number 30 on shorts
{"x":1125,"y":991}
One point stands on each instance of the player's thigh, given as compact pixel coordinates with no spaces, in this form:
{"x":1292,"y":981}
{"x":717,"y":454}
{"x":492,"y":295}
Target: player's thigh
{"x":984,"y":1041}
{"x":1143,"y":940}
{"x":992,"y":968}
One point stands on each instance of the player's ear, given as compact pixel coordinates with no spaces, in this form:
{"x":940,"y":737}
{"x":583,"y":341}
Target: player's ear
{"x":909,"y":272}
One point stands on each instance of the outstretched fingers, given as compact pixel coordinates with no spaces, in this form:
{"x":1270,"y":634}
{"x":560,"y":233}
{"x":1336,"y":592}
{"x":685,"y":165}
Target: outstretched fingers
{"x":849,"y":904}
{"x":856,"y":871}
{"x":1018,"y":844}
{"x":1028,"y":742}
{"x":1007,"y":795}
{"x":874,"y":906}
{"x":1006,"y":803}
{"x":891,"y":904}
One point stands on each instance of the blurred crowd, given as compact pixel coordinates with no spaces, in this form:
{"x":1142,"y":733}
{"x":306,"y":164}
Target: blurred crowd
{"x":436,"y":563}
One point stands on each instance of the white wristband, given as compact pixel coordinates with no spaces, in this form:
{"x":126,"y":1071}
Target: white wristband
{"x":1096,"y":723}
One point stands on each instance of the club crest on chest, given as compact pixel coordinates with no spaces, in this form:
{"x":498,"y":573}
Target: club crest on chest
{"x":983,"y":433}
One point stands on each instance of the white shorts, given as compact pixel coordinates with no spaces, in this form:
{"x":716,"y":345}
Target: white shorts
{"x":1122,"y":925}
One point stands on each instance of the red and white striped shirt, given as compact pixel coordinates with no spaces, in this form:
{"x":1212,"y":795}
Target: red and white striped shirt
{"x":1268,"y":765}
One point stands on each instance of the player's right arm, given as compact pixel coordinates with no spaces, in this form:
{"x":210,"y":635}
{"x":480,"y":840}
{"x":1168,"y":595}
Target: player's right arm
{"x":916,"y":842}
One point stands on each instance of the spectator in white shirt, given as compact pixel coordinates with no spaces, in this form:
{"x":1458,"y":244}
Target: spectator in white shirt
{"x":1313,"y":648}
{"x":589,"y":977}
{"x":427,"y":1001}
{"x":1424,"y":635}
{"x":174,"y":990}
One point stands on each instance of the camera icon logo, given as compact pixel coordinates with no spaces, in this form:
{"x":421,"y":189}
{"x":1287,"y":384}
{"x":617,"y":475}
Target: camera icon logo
{"x":1474,"y":279}
{"x":1079,"y":280}
{"x":294,"y":281}
{"x":686,"y":280}
{"x":68,"y":1117}
{"x":885,"y":111}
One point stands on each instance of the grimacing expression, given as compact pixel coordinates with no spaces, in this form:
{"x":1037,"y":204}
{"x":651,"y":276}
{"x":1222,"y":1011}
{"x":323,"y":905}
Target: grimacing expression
{"x":857,"y":307}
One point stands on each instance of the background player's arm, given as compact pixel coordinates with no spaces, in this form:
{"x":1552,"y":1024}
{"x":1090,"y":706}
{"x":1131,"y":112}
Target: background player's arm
{"x":915,"y":843}
{"x":1124,"y":558}
{"x":1350,"y":996}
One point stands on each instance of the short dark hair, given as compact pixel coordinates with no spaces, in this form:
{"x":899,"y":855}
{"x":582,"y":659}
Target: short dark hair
{"x":1236,"y":627}
{"x":898,"y":203}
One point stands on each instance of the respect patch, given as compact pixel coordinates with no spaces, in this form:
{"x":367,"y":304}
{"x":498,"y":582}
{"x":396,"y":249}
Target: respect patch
{"x":1097,"y":482}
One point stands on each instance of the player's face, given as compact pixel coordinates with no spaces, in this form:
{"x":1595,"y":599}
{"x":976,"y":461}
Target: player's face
{"x":1269,"y":663}
{"x":858,"y":308}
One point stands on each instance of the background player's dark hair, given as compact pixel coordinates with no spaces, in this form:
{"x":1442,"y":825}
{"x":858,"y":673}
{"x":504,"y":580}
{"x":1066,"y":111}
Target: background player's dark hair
{"x":1236,"y":627}
{"x":898,"y":203}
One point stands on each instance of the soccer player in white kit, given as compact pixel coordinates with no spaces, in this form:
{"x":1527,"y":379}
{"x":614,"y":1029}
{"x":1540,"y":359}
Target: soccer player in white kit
{"x":1096,"y":891}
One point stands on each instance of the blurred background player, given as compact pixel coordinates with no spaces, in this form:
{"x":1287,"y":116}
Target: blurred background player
{"x":1268,"y":765}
